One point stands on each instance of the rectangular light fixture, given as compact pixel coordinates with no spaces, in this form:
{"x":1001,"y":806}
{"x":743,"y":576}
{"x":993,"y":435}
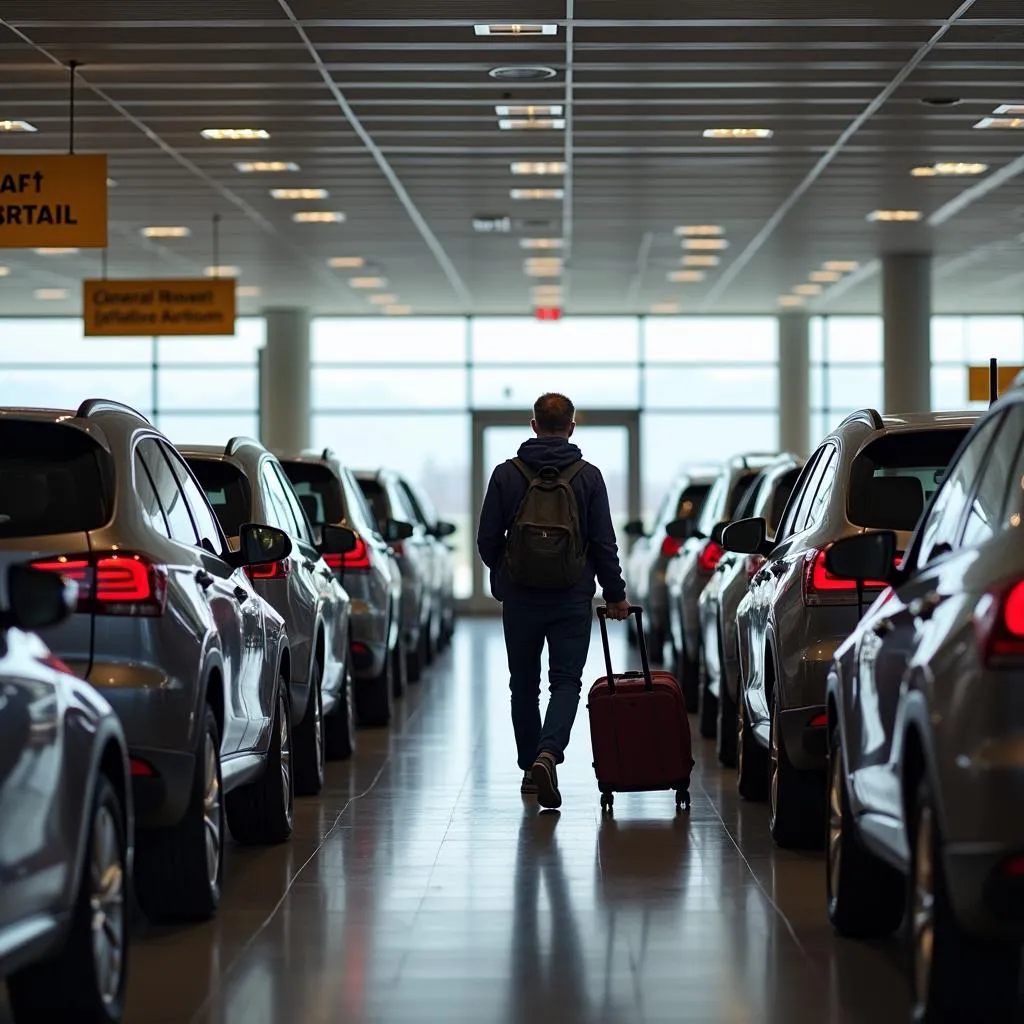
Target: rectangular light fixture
{"x":54,"y":294}
{"x":665,"y":308}
{"x":530,"y":110}
{"x":248,"y":291}
{"x":266,"y":166}
{"x":738,"y":133}
{"x":959,"y":170}
{"x":368,"y":282}
{"x":166,"y":232}
{"x":546,"y":291}
{"x":701,"y":261}
{"x":686,"y":276}
{"x":539,"y":167}
{"x":808,"y":289}
{"x":894,"y":216}
{"x":1012,"y":109}
{"x":537,"y":193}
{"x":346,"y":262}
{"x":700,"y":231}
{"x":17,"y":126}
{"x":518,"y":124}
{"x":516,"y":30}
{"x":397,"y":310}
{"x":299,"y":193}
{"x":792,"y":301}
{"x":492,"y":225}
{"x":923,"y":172}
{"x":5,"y":271}
{"x":540,"y":243}
{"x":56,"y":251}
{"x":319,"y":217}
{"x":383,"y":299}
{"x":842,"y":266}
{"x":1000,"y":122}
{"x":222,"y":271}
{"x":234,"y":134}
{"x":826,"y":276}
{"x":543,"y":271}
{"x":706,"y":244}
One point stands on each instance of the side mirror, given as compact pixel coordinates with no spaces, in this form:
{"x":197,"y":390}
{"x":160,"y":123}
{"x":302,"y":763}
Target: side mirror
{"x":443,"y":530}
{"x":865,"y":557}
{"x":717,"y":531}
{"x":680,"y":529}
{"x":395,"y":531}
{"x":258,"y":545}
{"x":634,"y":529}
{"x":311,"y":506}
{"x":38,"y":599}
{"x":338,"y":540}
{"x":746,"y":537}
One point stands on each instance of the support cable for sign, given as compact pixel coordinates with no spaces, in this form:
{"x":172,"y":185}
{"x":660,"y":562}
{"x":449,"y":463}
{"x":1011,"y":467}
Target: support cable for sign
{"x":216,"y":245}
{"x":103,"y":265}
{"x":73,"y":66}
{"x":993,"y":381}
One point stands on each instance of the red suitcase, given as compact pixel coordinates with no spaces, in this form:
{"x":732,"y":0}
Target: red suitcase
{"x":638,"y":728}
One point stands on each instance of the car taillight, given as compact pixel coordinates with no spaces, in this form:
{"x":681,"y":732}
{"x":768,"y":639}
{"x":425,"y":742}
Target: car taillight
{"x":357,"y":560}
{"x":709,"y":557}
{"x":118,"y":583}
{"x":141,"y":769}
{"x":670,"y":547}
{"x":754,"y":563}
{"x":999,"y":627}
{"x":269,"y":570}
{"x":821,"y":587}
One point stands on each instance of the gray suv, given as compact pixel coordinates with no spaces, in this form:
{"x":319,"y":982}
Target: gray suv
{"x":244,"y":483}
{"x":168,"y":627}
{"x":872,"y":472}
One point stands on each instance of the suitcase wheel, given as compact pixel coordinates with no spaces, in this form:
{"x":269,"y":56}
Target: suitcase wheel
{"x":682,"y":799}
{"x":607,"y":802}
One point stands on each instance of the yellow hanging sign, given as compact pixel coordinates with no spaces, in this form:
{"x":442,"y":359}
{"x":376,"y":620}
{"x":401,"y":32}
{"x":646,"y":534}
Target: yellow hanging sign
{"x":51,"y":201}
{"x":978,"y":381}
{"x":131,"y":308}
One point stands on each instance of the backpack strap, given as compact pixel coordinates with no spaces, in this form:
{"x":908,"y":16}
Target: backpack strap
{"x":571,"y":472}
{"x":523,"y":468}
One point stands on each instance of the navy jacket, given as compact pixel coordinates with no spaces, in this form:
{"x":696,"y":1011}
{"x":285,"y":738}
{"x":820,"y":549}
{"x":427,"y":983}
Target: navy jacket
{"x":501,"y":503}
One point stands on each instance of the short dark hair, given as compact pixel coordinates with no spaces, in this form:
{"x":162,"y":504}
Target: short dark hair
{"x":554,"y":413}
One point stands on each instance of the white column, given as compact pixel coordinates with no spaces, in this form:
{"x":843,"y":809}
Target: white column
{"x":285,"y":381}
{"x":794,"y":383}
{"x":907,"y":309}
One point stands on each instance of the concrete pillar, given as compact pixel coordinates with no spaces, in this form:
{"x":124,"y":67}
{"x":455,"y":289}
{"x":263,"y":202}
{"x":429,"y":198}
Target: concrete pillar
{"x":794,"y":383}
{"x":285,"y":381}
{"x":907,"y":310}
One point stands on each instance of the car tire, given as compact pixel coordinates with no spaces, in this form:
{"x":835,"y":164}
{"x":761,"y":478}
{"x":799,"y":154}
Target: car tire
{"x":688,"y":674}
{"x":263,"y":811}
{"x":86,"y":980}
{"x":954,"y":976}
{"x":751,"y":759}
{"x":725,"y":725}
{"x":179,"y":870}
{"x":399,"y":668}
{"x":340,"y":725}
{"x":309,"y":750}
{"x":796,"y":799}
{"x":375,"y":698}
{"x":864,"y":895}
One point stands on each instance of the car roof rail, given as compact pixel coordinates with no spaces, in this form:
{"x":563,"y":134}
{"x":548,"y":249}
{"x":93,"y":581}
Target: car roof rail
{"x":91,"y":406}
{"x":871,"y":417}
{"x":327,"y":454}
{"x":237,"y":443}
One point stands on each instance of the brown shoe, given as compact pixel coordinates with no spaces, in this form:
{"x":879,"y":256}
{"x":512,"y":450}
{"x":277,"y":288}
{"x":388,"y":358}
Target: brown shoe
{"x":546,"y":779}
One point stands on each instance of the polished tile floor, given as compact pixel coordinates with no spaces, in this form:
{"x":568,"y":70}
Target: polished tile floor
{"x":421,"y":887}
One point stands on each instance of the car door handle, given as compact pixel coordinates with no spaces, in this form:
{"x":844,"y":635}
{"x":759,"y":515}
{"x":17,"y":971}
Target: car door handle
{"x":204,"y":579}
{"x":882,"y":628}
{"x":241,"y":595}
{"x":308,"y":565}
{"x":776,"y":569}
{"x":924,"y":607}
{"x":759,"y":577}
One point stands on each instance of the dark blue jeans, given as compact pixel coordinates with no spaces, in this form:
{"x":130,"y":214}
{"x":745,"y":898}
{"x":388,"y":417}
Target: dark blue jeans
{"x":566,"y":628}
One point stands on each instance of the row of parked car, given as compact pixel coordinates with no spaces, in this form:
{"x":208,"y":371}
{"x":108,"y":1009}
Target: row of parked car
{"x":850,"y":630}
{"x":187,"y":635}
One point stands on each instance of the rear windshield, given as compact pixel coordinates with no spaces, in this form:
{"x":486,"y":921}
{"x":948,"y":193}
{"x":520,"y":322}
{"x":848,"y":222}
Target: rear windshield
{"x":377,"y":496}
{"x":892,"y":480}
{"x":691,"y":501}
{"x":318,"y":490}
{"x":227,"y":491}
{"x":53,"y":479}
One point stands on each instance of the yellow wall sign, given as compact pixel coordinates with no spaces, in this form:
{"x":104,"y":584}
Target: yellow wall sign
{"x":53,"y":202}
{"x":977,"y":381}
{"x":133,"y":308}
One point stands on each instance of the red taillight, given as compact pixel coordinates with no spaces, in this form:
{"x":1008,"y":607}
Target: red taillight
{"x":754,"y":563}
{"x":1014,"y":867}
{"x":141,"y":769}
{"x":52,"y":661}
{"x":269,"y":570}
{"x":818,"y":722}
{"x":821,"y":587}
{"x":118,"y":583}
{"x":357,"y":560}
{"x":999,"y":626}
{"x":670,"y":547}
{"x":709,"y":557}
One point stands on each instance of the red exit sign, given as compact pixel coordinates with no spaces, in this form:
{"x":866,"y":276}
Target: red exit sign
{"x":548,"y":313}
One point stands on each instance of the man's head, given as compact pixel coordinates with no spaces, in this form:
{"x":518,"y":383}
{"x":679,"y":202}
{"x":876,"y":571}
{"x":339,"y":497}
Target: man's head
{"x":553,"y":416}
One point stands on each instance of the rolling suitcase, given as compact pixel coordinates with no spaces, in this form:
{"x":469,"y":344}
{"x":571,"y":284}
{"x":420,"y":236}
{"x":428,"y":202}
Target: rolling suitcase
{"x":638,"y":728}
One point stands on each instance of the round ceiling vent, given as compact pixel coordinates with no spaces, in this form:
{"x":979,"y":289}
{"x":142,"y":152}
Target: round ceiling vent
{"x":522,"y":73}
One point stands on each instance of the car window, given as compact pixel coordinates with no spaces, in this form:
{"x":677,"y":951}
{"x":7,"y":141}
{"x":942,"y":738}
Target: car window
{"x":691,"y":501}
{"x":1013,"y":503}
{"x":149,"y":502}
{"x":303,"y":531}
{"x":799,"y":496}
{"x":401,"y":508}
{"x":816,"y":510}
{"x":940,"y":529}
{"x":405,"y":494}
{"x":227,"y":491}
{"x":421,"y":505}
{"x":715,"y":505}
{"x":747,"y":507}
{"x":986,"y":517}
{"x":809,"y":490}
{"x":741,"y":486}
{"x":359,"y":512}
{"x":318,"y":485}
{"x":172,"y":501}
{"x":375,"y":494}
{"x":202,"y":515}
{"x":274,"y":499}
{"x":778,"y":499}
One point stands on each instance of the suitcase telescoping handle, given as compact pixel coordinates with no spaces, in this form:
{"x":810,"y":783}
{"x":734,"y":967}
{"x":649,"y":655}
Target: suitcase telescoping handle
{"x":602,"y":618}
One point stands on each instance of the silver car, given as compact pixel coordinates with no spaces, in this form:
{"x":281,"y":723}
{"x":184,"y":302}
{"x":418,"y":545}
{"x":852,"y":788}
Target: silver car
{"x":652,"y":551}
{"x":871,"y":472}
{"x":66,"y":808}
{"x":720,"y":599}
{"x":370,"y":573}
{"x":244,"y":483}
{"x":168,"y":627}
{"x":925,"y":722}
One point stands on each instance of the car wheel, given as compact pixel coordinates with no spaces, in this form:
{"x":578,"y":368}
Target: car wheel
{"x":796,"y":799}
{"x":725,"y":726}
{"x":263,"y":811}
{"x":708,"y":705}
{"x":954,"y":976}
{"x":688,"y":674}
{"x":399,"y":667}
{"x":865,"y":895}
{"x":751,"y":759}
{"x":86,"y":980}
{"x":340,"y":725}
{"x":309,"y":740}
{"x":179,"y":870}
{"x":375,"y":697}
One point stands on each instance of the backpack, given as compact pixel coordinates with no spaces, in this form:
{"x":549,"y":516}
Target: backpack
{"x":545,"y":547}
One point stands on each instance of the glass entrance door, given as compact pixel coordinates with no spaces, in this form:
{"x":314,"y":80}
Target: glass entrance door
{"x":610,"y":439}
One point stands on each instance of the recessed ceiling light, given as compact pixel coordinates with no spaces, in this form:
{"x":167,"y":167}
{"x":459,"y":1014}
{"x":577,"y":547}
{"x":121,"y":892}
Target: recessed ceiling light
{"x":954,"y":169}
{"x":248,"y":291}
{"x":166,"y":232}
{"x":843,"y":266}
{"x":346,"y":262}
{"x":17,"y":126}
{"x":538,"y":167}
{"x":234,"y":134}
{"x":530,"y":110}
{"x":299,"y":193}
{"x":686,"y":276}
{"x":707,"y":244}
{"x":700,"y":231}
{"x":397,"y":310}
{"x":222,"y":271}
{"x":1000,"y":122}
{"x":1013,"y":109}
{"x":808,"y":289}
{"x":738,"y":133}
{"x":792,"y":300}
{"x":540,"y":243}
{"x":5,"y":271}
{"x":318,"y":217}
{"x":537,"y":193}
{"x":665,"y":308}
{"x":55,"y":251}
{"x":266,"y":166}
{"x":383,"y":299}
{"x":923,"y":172}
{"x":548,"y":292}
{"x":515,"y":30}
{"x":701,"y":261}
{"x":111,"y":183}
{"x":894,"y":215}
{"x":826,"y":276}
{"x":522,"y":73}
{"x":519,"y":124}
{"x":542,"y":267}
{"x":368,"y":282}
{"x":55,"y":294}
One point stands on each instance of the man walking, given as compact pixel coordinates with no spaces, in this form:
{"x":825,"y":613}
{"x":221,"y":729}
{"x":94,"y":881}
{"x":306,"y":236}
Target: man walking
{"x":545,"y":533}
